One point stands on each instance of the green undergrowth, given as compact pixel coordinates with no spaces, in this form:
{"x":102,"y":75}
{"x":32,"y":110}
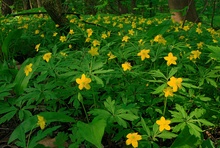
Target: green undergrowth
{"x":108,"y":80}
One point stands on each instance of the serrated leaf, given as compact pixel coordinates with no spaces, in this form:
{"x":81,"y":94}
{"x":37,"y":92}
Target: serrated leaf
{"x":194,"y":130}
{"x":157,"y":73}
{"x":143,"y":123}
{"x":172,"y":72}
{"x":179,"y":127}
{"x":97,"y":65}
{"x":120,"y":121}
{"x":159,"y":89}
{"x":128,"y":116}
{"x":61,"y":138}
{"x":167,"y":135}
{"x":205,"y":122}
{"x":92,"y":132}
{"x":98,"y":80}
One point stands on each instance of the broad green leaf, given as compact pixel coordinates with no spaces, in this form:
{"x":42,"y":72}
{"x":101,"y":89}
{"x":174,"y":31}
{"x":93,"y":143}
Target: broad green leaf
{"x":8,"y":40}
{"x":97,"y":65}
{"x":203,"y":98}
{"x":92,"y":132}
{"x":31,"y":123}
{"x":157,"y":73}
{"x":120,"y":121}
{"x":40,"y":135}
{"x":7,"y":116}
{"x":207,"y":144}
{"x":185,"y":140}
{"x":21,"y":80}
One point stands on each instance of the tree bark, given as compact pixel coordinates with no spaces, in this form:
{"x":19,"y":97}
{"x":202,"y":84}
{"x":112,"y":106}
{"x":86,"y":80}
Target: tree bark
{"x":5,"y":7}
{"x":26,"y":4}
{"x":55,"y":11}
{"x":177,"y":8}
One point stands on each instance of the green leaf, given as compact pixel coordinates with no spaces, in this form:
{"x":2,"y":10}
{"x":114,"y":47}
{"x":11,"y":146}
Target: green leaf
{"x":128,"y":116}
{"x":15,"y":34}
{"x":185,"y":140}
{"x":80,"y":98}
{"x":145,"y":127}
{"x":7,"y":116}
{"x":21,"y":80}
{"x":167,"y":135}
{"x":97,"y":65}
{"x":110,"y":105}
{"x":102,"y":71}
{"x":172,"y":72}
{"x":207,"y":144}
{"x":92,"y":132}
{"x":120,"y":121}
{"x":203,"y":98}
{"x":40,"y":135}
{"x":31,"y":123}
{"x":160,"y":89}
{"x":194,"y":130}
{"x":214,"y":52}
{"x":61,"y":138}
{"x":205,"y":122}
{"x":98,"y":80}
{"x":157,"y":73}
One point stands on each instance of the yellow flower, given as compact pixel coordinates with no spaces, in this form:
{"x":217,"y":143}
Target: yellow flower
{"x":186,"y":28}
{"x":28,"y":69}
{"x":42,"y":35}
{"x":88,"y":40}
{"x":104,"y":36}
{"x":159,"y":39}
{"x":198,"y":30}
{"x":47,"y":56}
{"x":63,"y":54}
{"x":111,"y":56}
{"x":83,"y":82}
{"x":95,"y":43}
{"x":57,"y":25}
{"x":149,"y":22}
{"x":63,"y":38}
{"x":144,"y":54}
{"x":164,"y":124}
{"x":200,"y":45}
{"x":133,"y":139}
{"x":133,"y":25}
{"x":131,"y":32}
{"x":194,"y":54}
{"x":41,"y":121}
{"x":93,"y":51}
{"x":37,"y":47}
{"x":125,"y":39}
{"x":170,"y":59}
{"x":55,"y":34}
{"x":120,"y":26}
{"x":71,"y":31}
{"x":36,"y":31}
{"x":168,"y":92}
{"x":126,"y":66}
{"x":175,"y":83}
{"x":89,"y":32}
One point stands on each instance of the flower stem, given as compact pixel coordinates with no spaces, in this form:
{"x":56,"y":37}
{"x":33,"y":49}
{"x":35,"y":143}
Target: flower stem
{"x":165,"y":106}
{"x":87,"y":118}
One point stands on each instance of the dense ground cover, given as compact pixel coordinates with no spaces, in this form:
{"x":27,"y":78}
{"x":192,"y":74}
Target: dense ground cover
{"x":110,"y":81}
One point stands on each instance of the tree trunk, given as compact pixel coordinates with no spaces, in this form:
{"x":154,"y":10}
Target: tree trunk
{"x":54,"y":9}
{"x":179,"y":7}
{"x":39,"y":3}
{"x":122,"y":9}
{"x":26,"y":4}
{"x":5,"y":7}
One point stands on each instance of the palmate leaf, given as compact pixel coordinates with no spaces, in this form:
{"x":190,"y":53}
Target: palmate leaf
{"x":194,"y":130}
{"x":92,"y":132}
